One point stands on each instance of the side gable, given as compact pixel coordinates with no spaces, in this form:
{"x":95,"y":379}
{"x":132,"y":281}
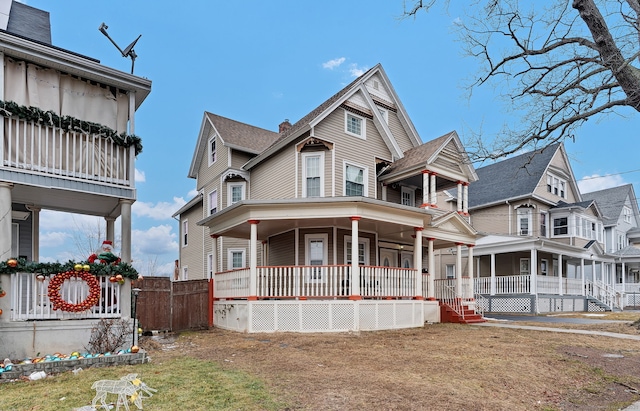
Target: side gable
{"x":454,"y":227}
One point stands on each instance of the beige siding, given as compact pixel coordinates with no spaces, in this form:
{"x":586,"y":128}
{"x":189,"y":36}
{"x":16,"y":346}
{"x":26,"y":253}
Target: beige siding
{"x":275,"y":177}
{"x":493,"y":220}
{"x":328,"y":164}
{"x":281,"y":250}
{"x":357,"y":151}
{"x":239,"y":158}
{"x":402,"y":138}
{"x":191,"y":255}
{"x":206,"y":173}
{"x":559,"y":168}
{"x":229,"y":243}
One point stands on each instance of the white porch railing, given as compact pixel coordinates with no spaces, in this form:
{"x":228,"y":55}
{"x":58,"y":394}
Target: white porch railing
{"x":316,"y":281}
{"x":628,"y":287}
{"x":29,"y":299}
{"x":604,"y":293}
{"x":49,"y":150}
{"x":442,"y":288}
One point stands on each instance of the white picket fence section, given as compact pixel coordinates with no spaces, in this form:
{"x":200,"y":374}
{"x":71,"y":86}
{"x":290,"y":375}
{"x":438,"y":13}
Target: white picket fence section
{"x":29,"y":299}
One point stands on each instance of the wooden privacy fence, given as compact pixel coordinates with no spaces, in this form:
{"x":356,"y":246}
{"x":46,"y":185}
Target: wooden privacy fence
{"x":165,"y":305}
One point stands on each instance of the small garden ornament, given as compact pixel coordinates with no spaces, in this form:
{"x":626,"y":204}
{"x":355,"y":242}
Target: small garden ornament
{"x":128,"y":388}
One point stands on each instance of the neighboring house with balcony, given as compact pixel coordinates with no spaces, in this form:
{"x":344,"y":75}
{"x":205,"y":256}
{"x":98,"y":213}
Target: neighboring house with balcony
{"x":67,"y":144}
{"x":621,"y":219}
{"x":543,"y":244}
{"x":286,"y":222}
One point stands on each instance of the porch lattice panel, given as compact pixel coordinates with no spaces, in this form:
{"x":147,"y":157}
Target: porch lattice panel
{"x":511,"y":305}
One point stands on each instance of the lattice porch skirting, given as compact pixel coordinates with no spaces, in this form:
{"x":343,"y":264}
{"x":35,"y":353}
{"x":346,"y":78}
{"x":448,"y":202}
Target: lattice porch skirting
{"x":532,"y":304}
{"x":318,"y":316}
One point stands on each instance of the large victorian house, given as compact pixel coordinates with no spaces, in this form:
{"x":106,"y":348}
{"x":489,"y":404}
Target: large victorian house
{"x":333,"y":223}
{"x":67,"y":143}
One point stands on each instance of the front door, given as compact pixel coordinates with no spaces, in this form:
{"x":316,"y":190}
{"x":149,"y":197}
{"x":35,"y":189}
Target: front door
{"x":388,"y":258}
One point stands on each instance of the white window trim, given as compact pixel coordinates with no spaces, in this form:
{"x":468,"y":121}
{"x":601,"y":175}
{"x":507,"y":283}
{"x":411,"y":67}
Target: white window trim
{"x":626,"y":214}
{"x":406,"y":256}
{"x":365,"y":189}
{"x":384,"y":113}
{"x":412,"y":194}
{"x":552,"y":229}
{"x":325,"y":257}
{"x":210,"y":270}
{"x":231,"y":184}
{"x":209,"y":200}
{"x":555,"y":183}
{"x":230,"y":253}
{"x":363,"y":125}
{"x":304,"y":171}
{"x":546,"y":225}
{"x":184,"y":234}
{"x":365,"y":241}
{"x":525,"y":212}
{"x":452,"y":268}
{"x":215,"y":156}
{"x":528,"y":260}
{"x":544,"y":266}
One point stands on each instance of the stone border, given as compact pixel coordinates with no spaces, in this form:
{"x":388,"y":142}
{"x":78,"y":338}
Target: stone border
{"x":55,"y":367}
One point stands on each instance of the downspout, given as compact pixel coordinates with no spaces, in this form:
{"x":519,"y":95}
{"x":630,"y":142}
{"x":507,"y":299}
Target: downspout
{"x":509,"y":213}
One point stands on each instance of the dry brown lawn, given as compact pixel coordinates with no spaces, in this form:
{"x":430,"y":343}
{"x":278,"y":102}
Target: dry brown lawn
{"x":438,"y":367}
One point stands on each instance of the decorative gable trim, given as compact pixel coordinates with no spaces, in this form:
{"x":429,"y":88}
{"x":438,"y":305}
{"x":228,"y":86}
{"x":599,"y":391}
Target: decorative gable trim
{"x":313,"y":141}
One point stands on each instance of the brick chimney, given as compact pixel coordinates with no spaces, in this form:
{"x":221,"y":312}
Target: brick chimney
{"x":284,"y":126}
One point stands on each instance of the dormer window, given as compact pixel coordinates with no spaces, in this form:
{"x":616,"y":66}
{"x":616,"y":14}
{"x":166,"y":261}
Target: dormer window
{"x":212,"y":150}
{"x":354,"y":125}
{"x":626,"y":214}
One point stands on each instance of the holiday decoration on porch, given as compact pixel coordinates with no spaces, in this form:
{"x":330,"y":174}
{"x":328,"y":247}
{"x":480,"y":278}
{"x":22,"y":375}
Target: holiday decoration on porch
{"x":44,"y":270}
{"x":105,"y":254}
{"x":128,"y":389}
{"x":55,"y":285}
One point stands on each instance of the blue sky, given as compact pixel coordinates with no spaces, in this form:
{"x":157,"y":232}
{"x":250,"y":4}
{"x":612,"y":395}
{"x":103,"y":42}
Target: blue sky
{"x":262,"y":62}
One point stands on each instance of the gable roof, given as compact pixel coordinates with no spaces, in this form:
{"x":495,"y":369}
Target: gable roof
{"x":419,"y":158}
{"x":231,"y":133}
{"x":612,"y":200}
{"x":512,"y":178}
{"x":307,"y":122}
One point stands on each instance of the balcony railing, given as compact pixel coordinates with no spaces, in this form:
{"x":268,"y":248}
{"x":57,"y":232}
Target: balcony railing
{"x":325,"y":281}
{"x":39,"y":149}
{"x":30,"y":301}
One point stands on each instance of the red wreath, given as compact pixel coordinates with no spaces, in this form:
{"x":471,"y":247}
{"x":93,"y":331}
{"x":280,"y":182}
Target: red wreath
{"x":55,"y":284}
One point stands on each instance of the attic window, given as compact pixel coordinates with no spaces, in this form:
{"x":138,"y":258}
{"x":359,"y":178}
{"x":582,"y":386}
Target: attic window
{"x":354,"y":125}
{"x":212,"y":150}
{"x":556,"y":186}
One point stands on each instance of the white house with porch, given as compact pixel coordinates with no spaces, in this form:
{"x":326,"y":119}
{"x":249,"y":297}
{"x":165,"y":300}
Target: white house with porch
{"x":67,"y":143}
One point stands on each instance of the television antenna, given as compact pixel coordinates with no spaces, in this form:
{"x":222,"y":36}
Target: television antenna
{"x":128,"y":51}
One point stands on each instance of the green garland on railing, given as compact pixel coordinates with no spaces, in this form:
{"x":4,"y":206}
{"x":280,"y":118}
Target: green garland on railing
{"x":20,"y":265}
{"x":68,"y":123}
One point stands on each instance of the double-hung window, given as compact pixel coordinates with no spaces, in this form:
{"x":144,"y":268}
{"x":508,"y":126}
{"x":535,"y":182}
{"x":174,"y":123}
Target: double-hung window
{"x":543,"y":224}
{"x":185,"y":231}
{"x":213,"y":202}
{"x":235,"y":258}
{"x":355,"y":181}
{"x":524,"y":221}
{"x":363,"y":250}
{"x":626,"y":213}
{"x":557,"y":186}
{"x":313,"y":173}
{"x":212,"y":150}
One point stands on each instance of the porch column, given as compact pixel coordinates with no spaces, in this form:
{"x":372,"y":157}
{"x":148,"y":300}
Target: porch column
{"x":214,"y":258}
{"x":355,"y":266}
{"x":417,"y":262}
{"x":624,"y":277}
{"x":459,"y":270}
{"x":431,"y":292}
{"x":459,"y":197}
{"x":35,"y":232}
{"x":561,"y":291}
{"x":110,"y":234}
{"x":470,"y":273}
{"x":5,"y":223}
{"x":253,"y":260}
{"x":125,"y":230}
{"x":465,"y":198}
{"x":425,"y":189}
{"x":582,"y":276}
{"x":432,"y":190}
{"x":533,"y":270}
{"x":493,"y":274}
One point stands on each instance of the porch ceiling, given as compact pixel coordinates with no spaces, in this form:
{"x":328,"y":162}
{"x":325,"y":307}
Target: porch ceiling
{"x":71,"y":201}
{"x":391,"y":222}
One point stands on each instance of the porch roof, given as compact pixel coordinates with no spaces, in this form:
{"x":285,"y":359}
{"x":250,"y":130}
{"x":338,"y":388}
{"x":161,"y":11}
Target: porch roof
{"x":391,"y":222}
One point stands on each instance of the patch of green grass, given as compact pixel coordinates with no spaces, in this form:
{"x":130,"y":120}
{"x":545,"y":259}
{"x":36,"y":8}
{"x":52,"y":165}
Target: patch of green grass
{"x":183,"y":383}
